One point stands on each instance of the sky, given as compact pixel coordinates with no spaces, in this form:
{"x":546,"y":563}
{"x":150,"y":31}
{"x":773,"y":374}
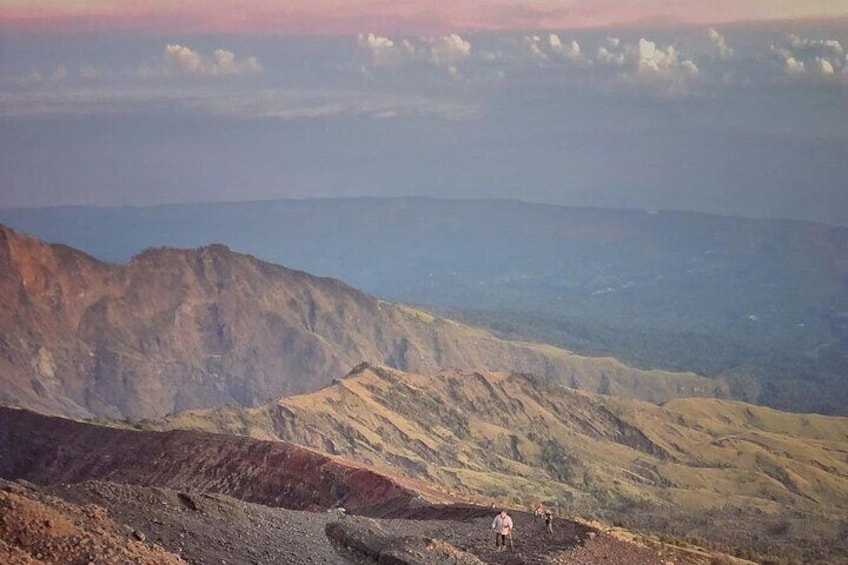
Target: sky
{"x":737,"y":108}
{"x":386,"y":16}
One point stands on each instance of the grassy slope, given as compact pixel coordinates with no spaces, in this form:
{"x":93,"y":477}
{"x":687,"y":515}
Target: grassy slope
{"x":748,"y":476}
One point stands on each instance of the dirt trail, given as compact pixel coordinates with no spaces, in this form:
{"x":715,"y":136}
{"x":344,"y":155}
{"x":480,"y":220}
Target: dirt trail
{"x":110,"y":523}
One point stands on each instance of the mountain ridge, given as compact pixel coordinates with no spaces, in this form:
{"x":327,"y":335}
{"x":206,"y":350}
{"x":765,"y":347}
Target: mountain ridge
{"x":178,"y":329}
{"x":759,"y":302}
{"x":722,"y":470}
{"x":36,"y":448}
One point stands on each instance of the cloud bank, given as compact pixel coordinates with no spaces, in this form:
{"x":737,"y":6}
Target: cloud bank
{"x":182,"y":60}
{"x":712,"y":118}
{"x":799,"y":56}
{"x":444,"y":52}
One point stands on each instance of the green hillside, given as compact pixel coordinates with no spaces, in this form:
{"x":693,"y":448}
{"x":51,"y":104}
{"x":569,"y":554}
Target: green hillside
{"x":752,"y":479}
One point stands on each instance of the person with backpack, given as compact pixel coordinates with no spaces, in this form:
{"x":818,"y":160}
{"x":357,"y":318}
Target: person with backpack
{"x":502,"y":525}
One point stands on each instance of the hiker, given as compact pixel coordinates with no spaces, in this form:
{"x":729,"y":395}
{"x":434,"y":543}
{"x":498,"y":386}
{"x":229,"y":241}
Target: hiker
{"x":549,"y":521}
{"x":539,"y":511}
{"x":503,"y":530}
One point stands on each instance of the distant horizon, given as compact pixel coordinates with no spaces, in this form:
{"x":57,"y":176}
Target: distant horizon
{"x":447,"y":199}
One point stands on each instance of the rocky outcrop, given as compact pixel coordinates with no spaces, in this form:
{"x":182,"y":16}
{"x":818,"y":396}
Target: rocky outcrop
{"x":366,"y":542}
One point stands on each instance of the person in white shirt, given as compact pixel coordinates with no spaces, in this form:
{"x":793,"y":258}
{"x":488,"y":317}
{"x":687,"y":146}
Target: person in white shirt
{"x":503,"y":530}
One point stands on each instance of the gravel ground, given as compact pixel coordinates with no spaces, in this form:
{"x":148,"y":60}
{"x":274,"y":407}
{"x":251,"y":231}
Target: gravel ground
{"x":37,"y":528}
{"x":210,"y":528}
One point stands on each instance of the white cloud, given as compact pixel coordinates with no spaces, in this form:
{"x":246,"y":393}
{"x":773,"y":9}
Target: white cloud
{"x":824,"y":47}
{"x":573,"y":50}
{"x":533,"y":43}
{"x":648,"y":66}
{"x":689,"y":67}
{"x":793,"y":66}
{"x":255,"y":104}
{"x":655,"y":59}
{"x":384,"y":52}
{"x":225,"y":63}
{"x":182,"y":60}
{"x":570,"y":51}
{"x":798,"y":55}
{"x":288,"y":105}
{"x":552,"y":48}
{"x":834,"y":46}
{"x":447,"y":50}
{"x":646,"y":58}
{"x":724,"y":52}
{"x":822,"y":66}
{"x":374,"y":42}
{"x":607,"y":57}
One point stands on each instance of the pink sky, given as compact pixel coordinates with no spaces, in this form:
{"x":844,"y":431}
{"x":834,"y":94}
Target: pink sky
{"x":391,"y":16}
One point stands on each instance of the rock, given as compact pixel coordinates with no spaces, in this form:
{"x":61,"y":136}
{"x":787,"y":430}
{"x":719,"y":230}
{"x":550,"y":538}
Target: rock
{"x":27,"y":484}
{"x":188,"y":501}
{"x":358,"y":538}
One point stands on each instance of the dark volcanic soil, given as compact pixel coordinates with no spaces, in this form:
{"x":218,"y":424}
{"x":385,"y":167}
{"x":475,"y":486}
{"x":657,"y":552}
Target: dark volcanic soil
{"x":212,"y":528}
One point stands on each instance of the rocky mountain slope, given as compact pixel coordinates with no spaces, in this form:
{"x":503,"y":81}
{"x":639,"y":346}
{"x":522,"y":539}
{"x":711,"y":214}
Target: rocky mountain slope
{"x":184,"y":494}
{"x":736,"y":474}
{"x":180,"y":329}
{"x":762,"y":302}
